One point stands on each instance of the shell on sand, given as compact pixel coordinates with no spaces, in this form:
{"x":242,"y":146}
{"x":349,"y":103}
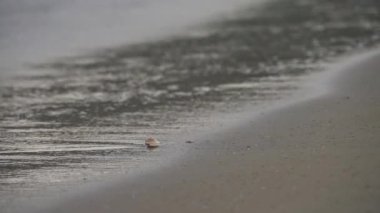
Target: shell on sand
{"x":152,"y":142}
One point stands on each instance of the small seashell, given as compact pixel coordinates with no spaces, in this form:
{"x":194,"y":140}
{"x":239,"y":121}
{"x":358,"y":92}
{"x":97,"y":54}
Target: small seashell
{"x":152,"y":142}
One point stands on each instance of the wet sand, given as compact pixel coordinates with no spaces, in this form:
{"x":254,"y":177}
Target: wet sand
{"x":318,"y":155}
{"x":78,"y":120}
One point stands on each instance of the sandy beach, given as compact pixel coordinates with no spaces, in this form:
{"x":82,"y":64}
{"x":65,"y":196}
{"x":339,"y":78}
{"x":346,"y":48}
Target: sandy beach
{"x":259,"y":106}
{"x":318,"y":155}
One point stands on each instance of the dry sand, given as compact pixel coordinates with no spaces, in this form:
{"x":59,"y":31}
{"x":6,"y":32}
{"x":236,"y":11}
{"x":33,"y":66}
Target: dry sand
{"x":319,"y":155}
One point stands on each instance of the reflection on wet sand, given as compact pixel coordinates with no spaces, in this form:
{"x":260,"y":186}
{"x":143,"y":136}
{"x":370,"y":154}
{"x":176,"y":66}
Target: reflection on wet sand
{"x":81,"y":116}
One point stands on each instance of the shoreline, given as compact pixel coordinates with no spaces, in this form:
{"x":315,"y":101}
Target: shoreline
{"x":78,"y":133}
{"x":80,"y":120}
{"x":301,"y":157}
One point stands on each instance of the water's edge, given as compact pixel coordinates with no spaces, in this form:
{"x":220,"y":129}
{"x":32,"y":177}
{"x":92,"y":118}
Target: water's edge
{"x":85,"y":118}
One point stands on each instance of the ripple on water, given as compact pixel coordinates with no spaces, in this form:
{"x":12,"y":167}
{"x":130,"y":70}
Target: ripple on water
{"x":81,"y":117}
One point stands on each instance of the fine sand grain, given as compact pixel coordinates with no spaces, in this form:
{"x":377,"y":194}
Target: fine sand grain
{"x":320,"y":155}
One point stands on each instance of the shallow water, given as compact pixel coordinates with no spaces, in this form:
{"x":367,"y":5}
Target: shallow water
{"x":41,"y":30}
{"x":77,"y":118}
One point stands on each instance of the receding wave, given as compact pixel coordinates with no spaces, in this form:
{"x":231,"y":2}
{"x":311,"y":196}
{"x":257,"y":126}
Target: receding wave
{"x":79,"y":111}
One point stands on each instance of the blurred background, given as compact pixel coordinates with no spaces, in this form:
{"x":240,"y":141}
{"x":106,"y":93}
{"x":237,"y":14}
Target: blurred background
{"x":83,"y":83}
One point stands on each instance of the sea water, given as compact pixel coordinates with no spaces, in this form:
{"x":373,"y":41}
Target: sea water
{"x":83,"y":83}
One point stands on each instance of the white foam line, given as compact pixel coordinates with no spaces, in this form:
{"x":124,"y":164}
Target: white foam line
{"x":321,"y":83}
